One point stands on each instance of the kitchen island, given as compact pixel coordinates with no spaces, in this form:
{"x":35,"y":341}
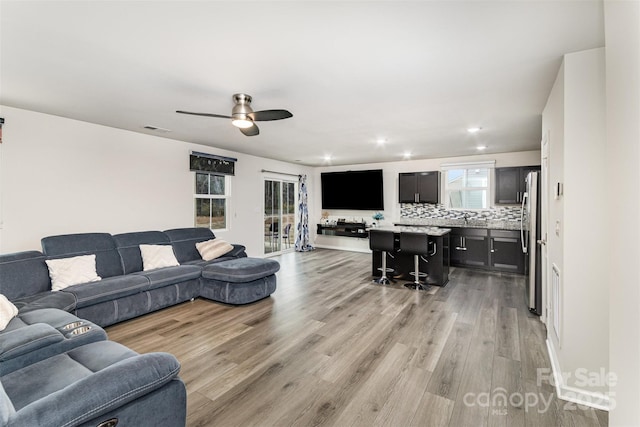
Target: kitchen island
{"x":437,"y":258}
{"x":494,"y":245}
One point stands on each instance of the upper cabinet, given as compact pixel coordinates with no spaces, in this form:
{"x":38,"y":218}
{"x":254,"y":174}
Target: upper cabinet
{"x":419,"y":187}
{"x":511,"y":184}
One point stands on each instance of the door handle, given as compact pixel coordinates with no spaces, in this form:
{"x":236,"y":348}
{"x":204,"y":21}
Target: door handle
{"x":522,"y":233}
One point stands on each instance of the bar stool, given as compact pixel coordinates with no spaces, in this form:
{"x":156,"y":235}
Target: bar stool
{"x":416,"y":244}
{"x":381,"y":240}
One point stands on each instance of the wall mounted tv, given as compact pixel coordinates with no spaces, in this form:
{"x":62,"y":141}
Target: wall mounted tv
{"x":356,"y":190}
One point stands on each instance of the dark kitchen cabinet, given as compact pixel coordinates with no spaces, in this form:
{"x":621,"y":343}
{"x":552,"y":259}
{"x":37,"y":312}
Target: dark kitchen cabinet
{"x":469,"y":247}
{"x":419,"y":187}
{"x":505,"y":251}
{"x":510,"y":184}
{"x":498,"y":250}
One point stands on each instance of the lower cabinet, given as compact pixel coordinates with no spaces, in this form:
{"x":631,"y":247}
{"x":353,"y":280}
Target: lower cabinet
{"x":469,"y":247}
{"x":498,"y":250}
{"x":505,"y":251}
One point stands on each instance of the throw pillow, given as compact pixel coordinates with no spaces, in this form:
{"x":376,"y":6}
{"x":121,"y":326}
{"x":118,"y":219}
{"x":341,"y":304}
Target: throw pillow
{"x":65,"y":272}
{"x":157,"y":256}
{"x":214,"y":248}
{"x":7,"y":312}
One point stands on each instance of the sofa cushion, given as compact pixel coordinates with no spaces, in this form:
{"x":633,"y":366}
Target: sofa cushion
{"x":214,"y":248}
{"x":23,"y":274}
{"x":7,"y":312}
{"x":28,"y":339}
{"x":170,"y":275}
{"x":157,"y":256}
{"x":49,"y":299}
{"x":107,"y":289}
{"x":128,"y":245}
{"x":26,"y":385}
{"x":108,"y":262}
{"x":39,"y":334}
{"x":241,"y":270}
{"x":65,"y":272}
{"x":184,"y":242}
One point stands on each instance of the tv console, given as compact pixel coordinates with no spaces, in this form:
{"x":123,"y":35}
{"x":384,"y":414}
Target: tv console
{"x":342,"y":228}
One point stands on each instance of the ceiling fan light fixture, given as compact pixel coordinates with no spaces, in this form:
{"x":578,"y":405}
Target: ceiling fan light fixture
{"x":242,"y":123}
{"x":243,"y":117}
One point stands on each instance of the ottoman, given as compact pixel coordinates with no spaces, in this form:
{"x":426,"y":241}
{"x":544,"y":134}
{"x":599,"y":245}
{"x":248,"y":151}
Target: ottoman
{"x":239,"y":281}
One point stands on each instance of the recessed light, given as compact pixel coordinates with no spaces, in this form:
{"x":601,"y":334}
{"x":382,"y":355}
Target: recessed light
{"x":327,"y":157}
{"x":407,"y":154}
{"x":481,"y":147}
{"x":474,"y":130}
{"x":381,"y":141}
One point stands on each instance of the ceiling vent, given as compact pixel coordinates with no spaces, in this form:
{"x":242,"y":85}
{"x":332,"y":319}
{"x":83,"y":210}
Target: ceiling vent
{"x":157,"y":129}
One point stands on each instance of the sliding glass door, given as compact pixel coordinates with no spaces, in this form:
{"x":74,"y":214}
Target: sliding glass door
{"x":279,"y":215}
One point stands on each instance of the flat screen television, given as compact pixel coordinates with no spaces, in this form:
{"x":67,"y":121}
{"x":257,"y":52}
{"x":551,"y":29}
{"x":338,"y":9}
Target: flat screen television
{"x":354,"y":190}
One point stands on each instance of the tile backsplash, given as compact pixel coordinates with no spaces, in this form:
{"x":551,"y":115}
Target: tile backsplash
{"x":429,"y":210}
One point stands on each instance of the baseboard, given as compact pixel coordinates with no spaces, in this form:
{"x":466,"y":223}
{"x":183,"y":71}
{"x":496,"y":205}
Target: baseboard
{"x":574,"y":394}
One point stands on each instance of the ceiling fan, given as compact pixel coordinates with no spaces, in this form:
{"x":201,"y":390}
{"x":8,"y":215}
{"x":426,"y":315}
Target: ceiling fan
{"x":243,"y":117}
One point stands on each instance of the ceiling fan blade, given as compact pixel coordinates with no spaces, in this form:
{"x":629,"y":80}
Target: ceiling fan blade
{"x":266,"y":115}
{"x":250,"y":131}
{"x":204,"y":114}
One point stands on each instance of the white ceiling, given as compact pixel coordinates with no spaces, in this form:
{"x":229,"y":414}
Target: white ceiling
{"x":416,"y":74}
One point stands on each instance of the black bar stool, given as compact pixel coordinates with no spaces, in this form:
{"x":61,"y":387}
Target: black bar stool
{"x":416,"y":244}
{"x":381,"y":240}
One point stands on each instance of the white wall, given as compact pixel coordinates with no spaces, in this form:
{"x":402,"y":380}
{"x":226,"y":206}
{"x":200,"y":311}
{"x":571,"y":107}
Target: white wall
{"x":390,"y":188}
{"x":575,"y":121}
{"x":622,"y":32}
{"x":65,"y":176}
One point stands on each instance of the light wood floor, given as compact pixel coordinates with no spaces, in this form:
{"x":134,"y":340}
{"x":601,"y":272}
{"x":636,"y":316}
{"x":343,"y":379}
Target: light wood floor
{"x":331,"y":348}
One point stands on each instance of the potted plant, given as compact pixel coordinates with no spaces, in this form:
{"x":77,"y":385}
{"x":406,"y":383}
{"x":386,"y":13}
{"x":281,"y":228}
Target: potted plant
{"x":378,"y":216}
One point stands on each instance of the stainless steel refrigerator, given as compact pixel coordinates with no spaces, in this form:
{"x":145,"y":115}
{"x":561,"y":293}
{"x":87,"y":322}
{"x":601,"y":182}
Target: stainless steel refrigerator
{"x":530,"y":233}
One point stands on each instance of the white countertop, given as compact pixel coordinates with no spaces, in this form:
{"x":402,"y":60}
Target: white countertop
{"x":471,"y":223}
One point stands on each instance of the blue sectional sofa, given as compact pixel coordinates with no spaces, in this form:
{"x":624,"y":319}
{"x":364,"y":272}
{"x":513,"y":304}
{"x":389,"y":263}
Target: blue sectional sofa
{"x":125,"y":290}
{"x":57,"y":367}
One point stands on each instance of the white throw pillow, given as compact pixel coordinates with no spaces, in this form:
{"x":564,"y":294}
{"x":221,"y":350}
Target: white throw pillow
{"x":157,"y":256}
{"x":65,"y":272}
{"x":7,"y":312}
{"x":214,"y":248}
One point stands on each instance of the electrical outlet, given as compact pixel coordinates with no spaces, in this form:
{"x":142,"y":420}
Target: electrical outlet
{"x":558,"y":228}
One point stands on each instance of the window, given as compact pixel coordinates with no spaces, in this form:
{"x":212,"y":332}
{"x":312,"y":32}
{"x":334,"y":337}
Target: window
{"x":467,"y":185}
{"x":211,"y":198}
